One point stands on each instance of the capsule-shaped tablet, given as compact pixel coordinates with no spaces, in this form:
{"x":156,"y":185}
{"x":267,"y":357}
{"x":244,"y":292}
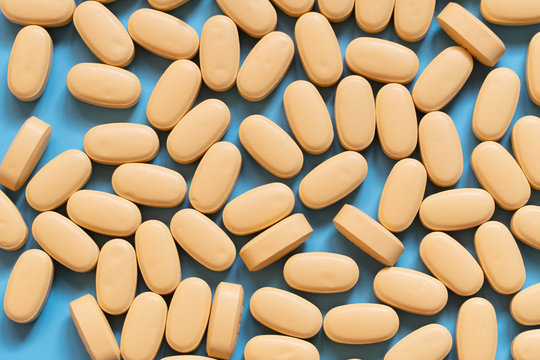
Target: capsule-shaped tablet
{"x":476,"y":330}
{"x":275,"y":242}
{"x":524,"y":306}
{"x":255,"y":17}
{"x":271,"y":146}
{"x":397,"y":125}
{"x":451,"y":263}
{"x":103,"y":33}
{"x":13,"y":229}
{"x":265,"y":66}
{"x":268,"y":347}
{"x":294,"y":8}
{"x":336,"y":10}
{"x":412,"y":19}
{"x":526,"y":148}
{"x":381,"y":60}
{"x":525,"y":345}
{"x":24,"y":153}
{"x":104,"y":85}
{"x":203,"y":240}
{"x":318,"y":49}
{"x":525,"y":225}
{"x":50,"y":13}
{"x":361,"y":323}
{"x":410,"y":290}
{"x":116,"y":276}
{"x":215,"y":177}
{"x":65,"y":242}
{"x":174,"y":94}
{"x":188,"y":314}
{"x":166,"y":5}
{"x":28,"y":286}
{"x":431,"y":341}
{"x":503,"y":12}
{"x":321,"y":272}
{"x":456,"y":209}
{"x":440,"y":148}
{"x":442,"y":79}
{"x":368,"y":235}
{"x":119,"y":143}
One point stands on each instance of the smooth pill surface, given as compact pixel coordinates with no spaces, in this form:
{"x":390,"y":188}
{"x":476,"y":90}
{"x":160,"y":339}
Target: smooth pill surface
{"x":524,"y":306}
{"x":525,"y":225}
{"x":412,"y":19}
{"x":269,"y":347}
{"x":525,"y":345}
{"x":430,"y":342}
{"x":255,"y":17}
{"x":13,"y":229}
{"x":166,"y":5}
{"x":373,"y":16}
{"x":336,"y":10}
{"x":527,"y":149}
{"x":503,"y":12}
{"x":49,"y":13}
{"x":476,"y":330}
{"x":294,"y":8}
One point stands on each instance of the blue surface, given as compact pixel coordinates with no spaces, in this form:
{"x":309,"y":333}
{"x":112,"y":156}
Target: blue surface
{"x":53,"y":335}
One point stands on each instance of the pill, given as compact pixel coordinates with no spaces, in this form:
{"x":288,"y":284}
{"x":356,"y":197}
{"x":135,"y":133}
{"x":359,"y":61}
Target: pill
{"x":163,"y":34}
{"x":410,"y":290}
{"x":143,"y":327}
{"x":442,"y":79}
{"x":431,"y":341}
{"x":525,"y":345}
{"x":65,"y":242}
{"x":24,"y":153}
{"x":13,"y":229}
{"x":412,"y":19}
{"x":203,"y":240}
{"x":533,"y":69}
{"x":504,"y":12}
{"x":104,"y":85}
{"x":268,"y":347}
{"x":456,"y":209}
{"x":28,"y":286}
{"x":336,"y":10}
{"x":373,"y":16}
{"x":397,"y":125}
{"x":499,"y":173}
{"x":275,"y":242}
{"x":294,"y":8}
{"x":219,"y":53}
{"x":174,"y":94}
{"x":368,"y":235}
{"x":157,"y":257}
{"x":496,"y":104}
{"x":103,"y":213}
{"x":271,"y":146}
{"x":361,"y":323}
{"x":215,"y":177}
{"x":258,"y":208}
{"x":49,"y":13}
{"x":451,"y":263}
{"x":103,"y":33}
{"x":255,"y":17}
{"x":321,"y":272}
{"x":225,"y":317}
{"x":471,"y":33}
{"x":94,"y":329}
{"x":381,"y":60}
{"x":119,"y":143}
{"x":166,"y":5}
{"x":440,"y":148}
{"x":265,"y":66}
{"x":55,"y":182}
{"x":149,"y":185}
{"x":525,"y":225}
{"x":354,"y":112}
{"x":526,"y":149}
{"x":524,"y":306}
{"x":318,"y":49}
{"x":188,"y":314}
{"x":476,"y":330}
{"x":285,"y":312}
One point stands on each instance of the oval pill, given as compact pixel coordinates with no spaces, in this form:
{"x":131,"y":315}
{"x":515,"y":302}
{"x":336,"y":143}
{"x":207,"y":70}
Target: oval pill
{"x":525,"y":345}
{"x":476,"y":330}
{"x":166,"y":5}
{"x":268,"y":347}
{"x":431,"y":341}
{"x":503,"y":12}
{"x":373,"y":16}
{"x":336,"y":10}
{"x":255,"y":17}
{"x":294,"y":8}
{"x":524,"y":306}
{"x":50,"y":13}
{"x":526,"y":149}
{"x":525,"y":225}
{"x":412,"y":19}
{"x":13,"y":229}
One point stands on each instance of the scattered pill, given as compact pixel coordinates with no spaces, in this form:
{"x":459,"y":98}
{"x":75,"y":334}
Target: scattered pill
{"x":294,"y":8}
{"x":526,"y":148}
{"x":268,"y":347}
{"x":431,"y":341}
{"x":524,"y":306}
{"x":48,"y":13}
{"x":336,"y":10}
{"x":525,"y":345}
{"x":476,"y":330}
{"x":525,"y":225}
{"x":255,"y":17}
{"x":13,"y":229}
{"x":373,"y":16}
{"x":504,"y":12}
{"x":412,"y":19}
{"x":166,"y":5}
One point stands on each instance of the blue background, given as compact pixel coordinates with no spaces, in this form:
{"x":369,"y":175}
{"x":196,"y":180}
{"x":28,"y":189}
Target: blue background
{"x":53,"y":335}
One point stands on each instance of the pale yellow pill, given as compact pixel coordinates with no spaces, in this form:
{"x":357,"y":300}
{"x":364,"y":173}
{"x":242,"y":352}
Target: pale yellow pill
{"x":533,"y":69}
{"x":525,"y":134}
{"x":174,"y":94}
{"x":143,"y":327}
{"x":255,"y":17}
{"x":285,"y":312}
{"x":456,"y":209}
{"x":188,"y":314}
{"x":157,"y":257}
{"x":525,"y":225}
{"x":294,"y":8}
{"x":163,"y":34}
{"x":476,"y":330}
{"x":410,"y":290}
{"x":451,"y":263}
{"x":318,"y":49}
{"x":219,"y":53}
{"x":275,"y":242}
{"x":321,"y":272}
{"x":225,"y":317}
{"x":442,"y":79}
{"x":104,"y":85}
{"x":13,"y":229}
{"x":496,"y":104}
{"x":55,"y":182}
{"x":203,"y":240}
{"x":28,"y":286}
{"x":431,"y":341}
{"x":265,"y":66}
{"x":24,"y":153}
{"x":94,"y":329}
{"x":361,"y":323}
{"x":269,"y":347}
{"x":397,"y":125}
{"x":271,"y":146}
{"x":504,"y":12}
{"x":368,"y":235}
{"x":525,"y":345}
{"x":524,"y":306}
{"x":48,"y":13}
{"x":65,"y":242}
{"x":373,"y":16}
{"x":412,"y":19}
{"x":166,"y":5}
{"x":103,"y":33}
{"x":336,"y":10}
